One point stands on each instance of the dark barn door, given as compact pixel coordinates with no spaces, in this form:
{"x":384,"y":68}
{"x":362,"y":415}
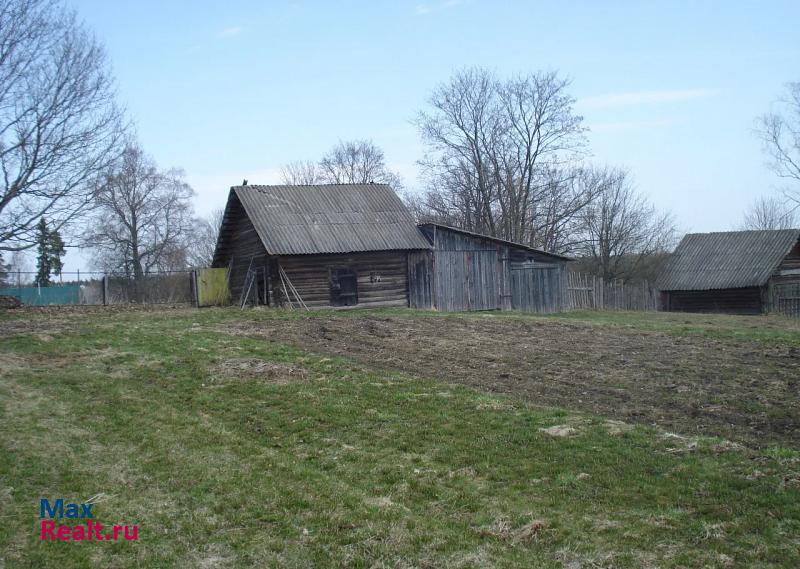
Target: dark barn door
{"x":344,"y":287}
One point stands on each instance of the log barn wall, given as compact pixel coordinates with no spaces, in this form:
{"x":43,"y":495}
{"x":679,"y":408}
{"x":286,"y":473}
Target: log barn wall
{"x":747,"y":300}
{"x":382,"y":278}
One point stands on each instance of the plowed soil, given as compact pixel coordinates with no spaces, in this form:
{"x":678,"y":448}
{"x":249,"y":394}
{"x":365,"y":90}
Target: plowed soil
{"x":742,"y":390}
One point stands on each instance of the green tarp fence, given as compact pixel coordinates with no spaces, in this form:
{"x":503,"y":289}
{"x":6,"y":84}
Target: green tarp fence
{"x":43,"y":296}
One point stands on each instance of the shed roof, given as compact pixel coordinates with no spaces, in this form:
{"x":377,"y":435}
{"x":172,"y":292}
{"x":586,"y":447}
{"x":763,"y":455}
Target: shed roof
{"x":730,"y":259}
{"x":332,"y":218}
{"x":497,"y":240}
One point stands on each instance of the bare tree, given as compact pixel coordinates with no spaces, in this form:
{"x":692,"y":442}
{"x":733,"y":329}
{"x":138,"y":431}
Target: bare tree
{"x":780,"y":132}
{"x":302,"y":173}
{"x":499,"y":151}
{"x":623,"y":234}
{"x":143,"y":219}
{"x":204,"y":238}
{"x":59,"y":124}
{"x":771,"y":213}
{"x":357,"y":162}
{"x":351,"y":162}
{"x":555,"y":219}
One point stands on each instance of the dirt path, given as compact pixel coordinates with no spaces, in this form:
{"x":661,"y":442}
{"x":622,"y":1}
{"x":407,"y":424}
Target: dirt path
{"x":739,"y":390}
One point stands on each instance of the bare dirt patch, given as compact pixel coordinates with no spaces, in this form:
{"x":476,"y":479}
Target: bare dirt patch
{"x":231,"y":370}
{"x":737,"y":389}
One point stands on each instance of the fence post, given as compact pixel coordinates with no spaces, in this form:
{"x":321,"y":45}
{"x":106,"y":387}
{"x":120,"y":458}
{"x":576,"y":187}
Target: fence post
{"x":105,"y":290}
{"x":19,"y":279}
{"x":193,"y":284}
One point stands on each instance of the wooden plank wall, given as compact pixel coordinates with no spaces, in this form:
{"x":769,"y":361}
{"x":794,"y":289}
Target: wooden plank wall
{"x":239,"y":245}
{"x":786,"y":299}
{"x":420,"y":279}
{"x":382,"y":277}
{"x":784,"y":286}
{"x":538,"y":288}
{"x":469,"y":273}
{"x":466,"y":280}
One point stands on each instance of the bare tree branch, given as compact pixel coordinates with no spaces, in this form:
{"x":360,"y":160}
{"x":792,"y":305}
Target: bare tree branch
{"x":144,"y":217}
{"x":780,"y":133}
{"x":59,"y":124}
{"x":771,"y":213}
{"x":622,"y":232}
{"x":351,"y":162}
{"x":204,"y":239}
{"x":499,"y":155}
{"x":301,"y":173}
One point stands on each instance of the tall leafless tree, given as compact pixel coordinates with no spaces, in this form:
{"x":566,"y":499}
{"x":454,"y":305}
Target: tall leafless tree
{"x":623,"y":234}
{"x":350,"y":162}
{"x":499,"y":152}
{"x":59,"y":123}
{"x":204,"y":238}
{"x":779,"y":130}
{"x":357,"y":162}
{"x":771,"y":213}
{"x":143,"y":220}
{"x":301,"y":173}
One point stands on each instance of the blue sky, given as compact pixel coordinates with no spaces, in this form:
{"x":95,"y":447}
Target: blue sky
{"x":671,"y":90}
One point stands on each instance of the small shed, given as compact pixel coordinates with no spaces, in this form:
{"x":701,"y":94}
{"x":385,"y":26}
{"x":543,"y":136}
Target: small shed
{"x":736,"y":272}
{"x":316,"y":246}
{"x":471,"y":271}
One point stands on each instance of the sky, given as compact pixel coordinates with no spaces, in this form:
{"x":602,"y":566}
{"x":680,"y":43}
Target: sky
{"x":670,"y":90}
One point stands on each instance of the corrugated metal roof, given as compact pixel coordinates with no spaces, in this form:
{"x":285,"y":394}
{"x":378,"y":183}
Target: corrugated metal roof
{"x":497,"y":240}
{"x":336,"y":218}
{"x":732,"y":259}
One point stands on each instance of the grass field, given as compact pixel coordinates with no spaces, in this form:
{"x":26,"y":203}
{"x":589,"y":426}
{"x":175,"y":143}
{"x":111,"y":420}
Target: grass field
{"x":402,"y":439}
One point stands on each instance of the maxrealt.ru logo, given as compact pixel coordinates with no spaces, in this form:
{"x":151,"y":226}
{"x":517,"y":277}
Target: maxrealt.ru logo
{"x":91,"y":530}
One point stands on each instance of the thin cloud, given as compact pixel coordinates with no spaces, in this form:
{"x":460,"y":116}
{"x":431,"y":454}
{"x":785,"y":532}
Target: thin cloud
{"x":645,"y":98}
{"x":230,"y":32}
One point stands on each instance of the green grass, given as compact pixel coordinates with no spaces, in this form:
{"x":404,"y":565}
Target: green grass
{"x":323,"y":462}
{"x":759,"y":328}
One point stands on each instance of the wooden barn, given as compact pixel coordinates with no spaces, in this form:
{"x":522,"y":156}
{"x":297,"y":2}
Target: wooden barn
{"x":736,"y":272}
{"x":314,"y":246}
{"x":476,"y":272}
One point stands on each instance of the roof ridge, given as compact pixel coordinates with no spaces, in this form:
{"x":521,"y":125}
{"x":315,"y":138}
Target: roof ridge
{"x":368,"y":184}
{"x":736,"y":231}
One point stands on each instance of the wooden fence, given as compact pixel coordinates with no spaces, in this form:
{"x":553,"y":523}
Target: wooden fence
{"x":589,"y":292}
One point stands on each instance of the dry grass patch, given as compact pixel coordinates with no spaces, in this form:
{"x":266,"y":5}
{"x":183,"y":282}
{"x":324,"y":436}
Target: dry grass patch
{"x":252,"y":369}
{"x":504,"y":530}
